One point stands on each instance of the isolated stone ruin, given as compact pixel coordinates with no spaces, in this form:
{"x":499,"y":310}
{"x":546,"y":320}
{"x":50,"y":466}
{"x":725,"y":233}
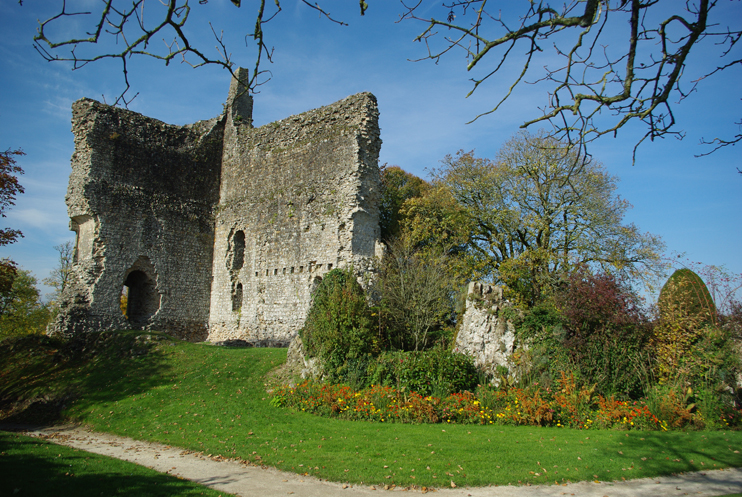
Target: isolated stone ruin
{"x":217,"y":230}
{"x":485,"y":333}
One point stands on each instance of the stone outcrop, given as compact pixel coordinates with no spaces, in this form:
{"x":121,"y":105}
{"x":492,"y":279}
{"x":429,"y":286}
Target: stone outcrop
{"x":299,"y":363}
{"x":484,"y":333}
{"x":217,"y":230}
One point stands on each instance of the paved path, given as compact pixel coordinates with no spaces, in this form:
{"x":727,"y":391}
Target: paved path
{"x":241,"y":479}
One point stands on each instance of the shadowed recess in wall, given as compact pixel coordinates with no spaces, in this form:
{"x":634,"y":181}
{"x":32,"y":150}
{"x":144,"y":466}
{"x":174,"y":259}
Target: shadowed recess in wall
{"x":143,"y":301}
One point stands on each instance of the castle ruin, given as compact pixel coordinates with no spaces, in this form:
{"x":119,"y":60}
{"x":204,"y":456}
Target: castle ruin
{"x":217,"y":230}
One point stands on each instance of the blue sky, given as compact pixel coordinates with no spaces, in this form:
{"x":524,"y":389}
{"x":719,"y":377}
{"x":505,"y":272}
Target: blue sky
{"x":694,"y":204}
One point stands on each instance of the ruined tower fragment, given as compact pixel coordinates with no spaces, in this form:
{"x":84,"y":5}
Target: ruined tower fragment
{"x":217,"y":230}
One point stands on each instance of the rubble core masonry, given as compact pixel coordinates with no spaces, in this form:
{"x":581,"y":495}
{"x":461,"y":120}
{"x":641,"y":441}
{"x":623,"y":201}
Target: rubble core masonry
{"x":217,"y":230}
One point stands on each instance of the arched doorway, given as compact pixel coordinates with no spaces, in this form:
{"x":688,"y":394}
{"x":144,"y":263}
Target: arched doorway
{"x":140,"y":288}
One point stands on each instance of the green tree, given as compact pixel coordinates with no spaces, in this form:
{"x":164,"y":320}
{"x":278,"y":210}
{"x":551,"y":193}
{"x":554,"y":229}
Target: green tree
{"x":435,"y":223}
{"x":339,"y":328}
{"x":21,"y":309}
{"x":397,"y":186}
{"x":539,"y":210}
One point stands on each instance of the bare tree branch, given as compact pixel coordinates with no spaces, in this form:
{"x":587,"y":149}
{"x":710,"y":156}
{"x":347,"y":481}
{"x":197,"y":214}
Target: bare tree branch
{"x":124,"y":22}
{"x":636,"y":83}
{"x":598,"y":86}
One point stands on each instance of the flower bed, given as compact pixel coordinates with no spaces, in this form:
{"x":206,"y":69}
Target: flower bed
{"x":566,"y":406}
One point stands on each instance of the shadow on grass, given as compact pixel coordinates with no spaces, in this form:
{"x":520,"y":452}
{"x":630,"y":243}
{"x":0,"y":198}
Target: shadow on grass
{"x":679,"y":451}
{"x":32,"y":467}
{"x":41,"y":377}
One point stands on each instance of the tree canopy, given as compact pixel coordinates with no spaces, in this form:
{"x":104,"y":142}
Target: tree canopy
{"x":21,"y":309}
{"x":538,"y":211}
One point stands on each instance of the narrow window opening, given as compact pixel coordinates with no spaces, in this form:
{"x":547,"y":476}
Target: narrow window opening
{"x":266,"y":272}
{"x":275,"y":272}
{"x":315,"y":283}
{"x":256,"y":274}
{"x":238,"y":250}
{"x":237,"y":297}
{"x":329,"y":267}
{"x":301,"y":269}
{"x":292,"y":270}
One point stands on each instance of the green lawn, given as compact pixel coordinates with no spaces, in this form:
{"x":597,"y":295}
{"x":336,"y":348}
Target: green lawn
{"x":213,"y":399}
{"x":29,"y":466}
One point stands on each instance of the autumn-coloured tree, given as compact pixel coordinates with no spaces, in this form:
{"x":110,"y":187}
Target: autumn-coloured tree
{"x":607,"y":333}
{"x":9,"y":188}
{"x":686,"y":309}
{"x":397,"y":186}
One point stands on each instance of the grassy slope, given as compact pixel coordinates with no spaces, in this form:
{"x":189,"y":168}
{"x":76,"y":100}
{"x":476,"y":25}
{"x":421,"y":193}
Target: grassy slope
{"x":213,"y":400}
{"x":29,"y":466}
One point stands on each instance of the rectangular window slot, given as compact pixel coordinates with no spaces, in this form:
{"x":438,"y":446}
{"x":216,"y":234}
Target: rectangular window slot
{"x":292,"y":270}
{"x":329,"y":267}
{"x":284,"y":270}
{"x":266,"y":272}
{"x":301,"y":269}
{"x":256,"y":273}
{"x":275,"y":272}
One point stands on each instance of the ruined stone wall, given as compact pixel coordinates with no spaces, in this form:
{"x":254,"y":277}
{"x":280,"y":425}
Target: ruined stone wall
{"x":219,"y":230}
{"x":140,"y":199}
{"x":484,"y":333}
{"x":298,"y":198}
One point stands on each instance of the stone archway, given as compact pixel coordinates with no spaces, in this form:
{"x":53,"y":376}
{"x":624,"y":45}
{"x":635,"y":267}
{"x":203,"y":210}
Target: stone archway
{"x":143,"y":301}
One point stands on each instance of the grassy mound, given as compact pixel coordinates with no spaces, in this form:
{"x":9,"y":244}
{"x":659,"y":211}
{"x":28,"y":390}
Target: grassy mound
{"x":213,"y":400}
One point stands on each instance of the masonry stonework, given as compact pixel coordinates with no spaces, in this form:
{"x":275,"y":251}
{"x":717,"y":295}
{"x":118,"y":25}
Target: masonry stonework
{"x":484,"y":333}
{"x":217,"y":230}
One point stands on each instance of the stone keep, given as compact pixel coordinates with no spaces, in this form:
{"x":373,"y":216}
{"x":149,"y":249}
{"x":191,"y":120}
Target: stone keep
{"x":217,"y":230}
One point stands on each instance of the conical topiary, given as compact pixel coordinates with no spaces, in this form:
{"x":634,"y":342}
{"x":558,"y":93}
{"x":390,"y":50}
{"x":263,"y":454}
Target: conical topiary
{"x":685,"y":291}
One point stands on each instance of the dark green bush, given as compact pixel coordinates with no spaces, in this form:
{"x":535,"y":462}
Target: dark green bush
{"x":437,"y":371}
{"x":340,"y":328}
{"x":542,"y":330}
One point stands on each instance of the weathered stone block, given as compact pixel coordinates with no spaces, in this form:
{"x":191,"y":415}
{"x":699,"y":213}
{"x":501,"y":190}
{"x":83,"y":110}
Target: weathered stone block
{"x":484,"y":333}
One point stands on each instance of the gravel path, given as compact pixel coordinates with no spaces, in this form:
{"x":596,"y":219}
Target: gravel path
{"x":241,"y":479}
